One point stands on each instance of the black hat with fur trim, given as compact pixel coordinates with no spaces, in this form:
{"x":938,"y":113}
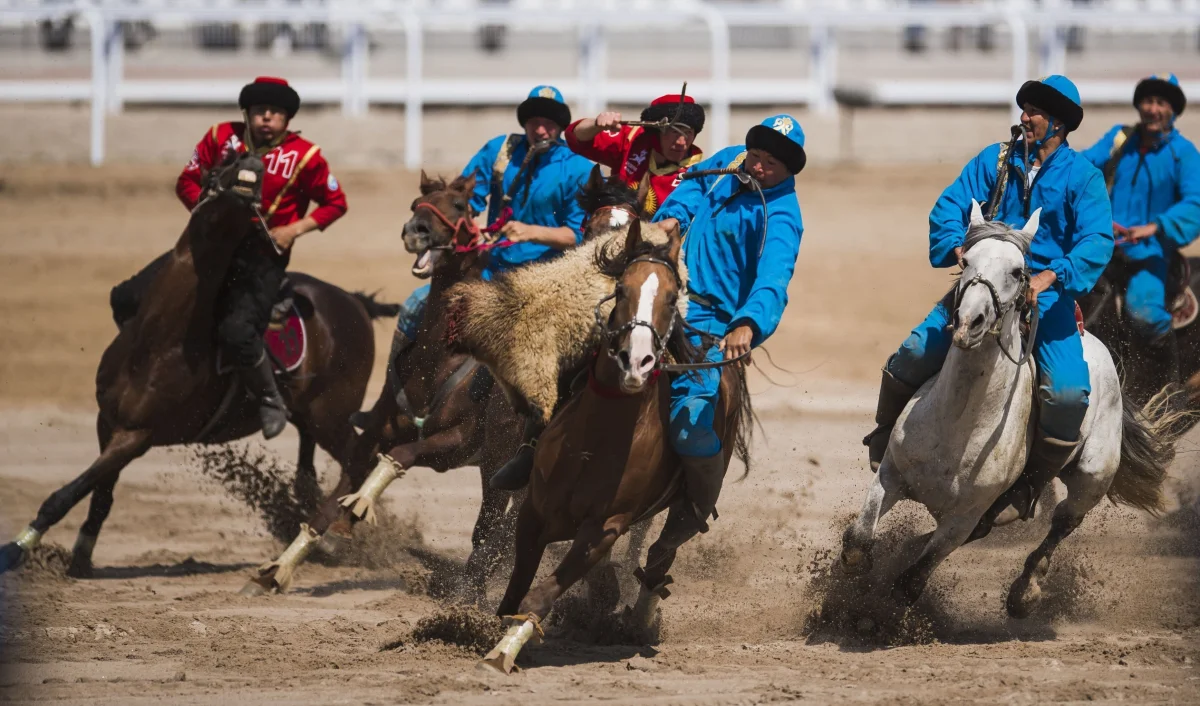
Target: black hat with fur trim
{"x":1165,"y":87}
{"x":268,"y":90}
{"x":544,"y":102}
{"x":666,"y":106}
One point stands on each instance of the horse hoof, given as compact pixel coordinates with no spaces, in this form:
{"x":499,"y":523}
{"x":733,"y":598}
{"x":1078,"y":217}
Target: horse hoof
{"x":856,"y":560}
{"x":491,"y":666}
{"x":11,"y":556}
{"x":80,"y":568}
{"x":253,"y":589}
{"x":1007,"y":516}
{"x":333,"y":544}
{"x":1021,"y":603}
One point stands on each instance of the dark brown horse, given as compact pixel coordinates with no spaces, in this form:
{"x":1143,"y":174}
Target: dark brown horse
{"x":438,"y":409}
{"x":605,"y":462}
{"x":158,"y":385}
{"x":1143,"y":376}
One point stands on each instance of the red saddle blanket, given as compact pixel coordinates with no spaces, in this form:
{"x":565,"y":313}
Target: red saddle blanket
{"x":286,"y":340}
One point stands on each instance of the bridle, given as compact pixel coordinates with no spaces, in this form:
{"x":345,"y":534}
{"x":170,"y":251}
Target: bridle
{"x":660,"y":341}
{"x":1002,"y":309}
{"x":477,"y":241}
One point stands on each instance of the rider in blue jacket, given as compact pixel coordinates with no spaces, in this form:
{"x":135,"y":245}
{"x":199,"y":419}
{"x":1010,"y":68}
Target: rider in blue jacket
{"x":1153,"y":178}
{"x":1070,"y":250}
{"x":741,"y":239}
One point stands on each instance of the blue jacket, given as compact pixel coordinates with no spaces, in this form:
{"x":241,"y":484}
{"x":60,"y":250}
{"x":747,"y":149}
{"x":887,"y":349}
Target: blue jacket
{"x":1074,"y":238}
{"x":1161,"y":186}
{"x":723,"y":241}
{"x":549,"y":200}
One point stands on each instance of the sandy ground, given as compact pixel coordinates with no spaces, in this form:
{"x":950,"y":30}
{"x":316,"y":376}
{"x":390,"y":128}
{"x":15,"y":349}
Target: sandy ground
{"x":162,"y":620}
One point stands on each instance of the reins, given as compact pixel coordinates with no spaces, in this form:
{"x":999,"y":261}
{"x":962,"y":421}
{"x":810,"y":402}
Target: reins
{"x":1002,"y":310}
{"x":477,"y":243}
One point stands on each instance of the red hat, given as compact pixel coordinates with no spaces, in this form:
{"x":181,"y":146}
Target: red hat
{"x":270,"y":90}
{"x":667,"y":106}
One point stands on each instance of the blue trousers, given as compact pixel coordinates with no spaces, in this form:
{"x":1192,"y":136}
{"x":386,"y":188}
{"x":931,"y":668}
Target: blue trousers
{"x":412,"y":312}
{"x":694,"y":395}
{"x":1064,"y":384}
{"x":1146,"y":298}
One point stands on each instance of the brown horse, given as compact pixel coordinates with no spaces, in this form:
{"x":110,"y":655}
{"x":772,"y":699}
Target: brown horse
{"x":438,"y":409}
{"x":605,"y":461}
{"x":158,"y":384}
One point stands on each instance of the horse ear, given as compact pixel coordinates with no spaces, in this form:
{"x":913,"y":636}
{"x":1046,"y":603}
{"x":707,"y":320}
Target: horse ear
{"x":466,"y":184}
{"x":633,"y":239}
{"x":976,"y":213}
{"x":674,"y":243}
{"x":595,"y":180}
{"x":1031,"y":226}
{"x":428,"y":185}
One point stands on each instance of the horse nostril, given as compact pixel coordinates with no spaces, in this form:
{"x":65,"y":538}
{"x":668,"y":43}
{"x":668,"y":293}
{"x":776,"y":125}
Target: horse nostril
{"x":977,"y":321}
{"x":647,"y":362}
{"x":623,"y":358}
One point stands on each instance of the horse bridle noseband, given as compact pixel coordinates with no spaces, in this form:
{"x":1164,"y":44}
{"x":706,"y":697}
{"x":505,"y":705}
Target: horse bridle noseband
{"x":1002,"y":310}
{"x":660,"y":342}
{"x":463,"y":222}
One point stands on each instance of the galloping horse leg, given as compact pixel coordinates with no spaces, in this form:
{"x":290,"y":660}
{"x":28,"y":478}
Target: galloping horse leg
{"x":123,"y":446}
{"x":950,"y":534}
{"x":859,"y":537}
{"x":1084,"y":491}
{"x":89,"y":531}
{"x":492,"y":533}
{"x":592,"y":544}
{"x":653,"y":580}
{"x":308,"y":492}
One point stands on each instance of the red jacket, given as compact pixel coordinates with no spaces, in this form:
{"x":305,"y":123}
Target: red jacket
{"x":295,"y":173}
{"x":629,"y":153}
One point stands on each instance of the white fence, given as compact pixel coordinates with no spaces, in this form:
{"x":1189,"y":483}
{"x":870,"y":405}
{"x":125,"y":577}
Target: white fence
{"x":108,"y":88}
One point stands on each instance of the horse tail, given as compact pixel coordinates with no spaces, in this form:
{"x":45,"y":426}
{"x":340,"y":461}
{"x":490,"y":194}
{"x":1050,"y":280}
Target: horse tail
{"x":375,"y":308}
{"x":1147,"y":447}
{"x":744,"y":420}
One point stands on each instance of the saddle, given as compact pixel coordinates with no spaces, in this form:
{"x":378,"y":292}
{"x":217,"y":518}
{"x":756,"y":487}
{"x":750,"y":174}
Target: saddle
{"x":286,"y":339}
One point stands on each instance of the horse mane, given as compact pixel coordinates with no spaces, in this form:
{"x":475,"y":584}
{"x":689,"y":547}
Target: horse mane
{"x":610,"y":192}
{"x":997,"y":230}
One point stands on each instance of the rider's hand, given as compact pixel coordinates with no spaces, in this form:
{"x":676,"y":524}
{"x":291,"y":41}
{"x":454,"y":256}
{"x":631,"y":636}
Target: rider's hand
{"x":284,"y":236}
{"x":609,"y":120}
{"x":517,"y":232}
{"x":1137,"y":233}
{"x":1040,"y":283}
{"x":737,"y":342}
{"x":1120,"y":232}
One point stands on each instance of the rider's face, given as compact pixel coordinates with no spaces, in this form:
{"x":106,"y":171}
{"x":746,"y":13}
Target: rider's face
{"x":1156,"y":113}
{"x":1035,"y":122}
{"x":768,"y":170}
{"x":267,"y":122}
{"x":676,"y":142}
{"x":541,"y":129}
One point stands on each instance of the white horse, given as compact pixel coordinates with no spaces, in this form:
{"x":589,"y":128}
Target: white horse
{"x":964,"y":437}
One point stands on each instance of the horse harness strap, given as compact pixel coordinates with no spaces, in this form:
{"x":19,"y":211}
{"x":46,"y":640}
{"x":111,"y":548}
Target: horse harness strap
{"x":1002,"y":310}
{"x":469,"y":366}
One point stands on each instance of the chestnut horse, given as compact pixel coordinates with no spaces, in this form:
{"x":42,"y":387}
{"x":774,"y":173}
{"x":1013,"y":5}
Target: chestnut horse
{"x":605,"y":462}
{"x":438,"y":409}
{"x":158,"y":384}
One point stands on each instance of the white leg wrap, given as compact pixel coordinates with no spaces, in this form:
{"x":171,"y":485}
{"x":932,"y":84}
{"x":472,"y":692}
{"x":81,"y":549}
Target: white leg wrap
{"x":645,"y":609}
{"x":28,"y":539}
{"x":503,"y":656}
{"x":285,"y":566}
{"x":362,"y":503}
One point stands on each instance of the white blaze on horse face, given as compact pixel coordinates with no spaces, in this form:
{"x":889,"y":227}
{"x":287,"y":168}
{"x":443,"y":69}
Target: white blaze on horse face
{"x":618,"y":217}
{"x":641,"y":339}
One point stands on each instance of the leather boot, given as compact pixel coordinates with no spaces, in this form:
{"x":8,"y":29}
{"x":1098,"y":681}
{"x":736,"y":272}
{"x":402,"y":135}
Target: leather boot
{"x":1047,"y":458}
{"x":893,"y":398}
{"x":514,"y":475}
{"x":260,"y":381}
{"x":702,"y":477}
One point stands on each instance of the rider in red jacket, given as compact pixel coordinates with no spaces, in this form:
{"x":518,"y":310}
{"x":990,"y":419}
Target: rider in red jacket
{"x":295,"y":175}
{"x":650,"y":160}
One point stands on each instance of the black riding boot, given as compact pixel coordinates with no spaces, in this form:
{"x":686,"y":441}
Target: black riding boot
{"x":514,"y":475}
{"x":702,"y":477}
{"x":893,"y":398}
{"x":1047,"y":458}
{"x":1164,"y":355}
{"x":260,"y":381}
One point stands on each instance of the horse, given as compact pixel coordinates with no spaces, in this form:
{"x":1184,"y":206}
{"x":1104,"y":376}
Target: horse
{"x":1106,"y":316}
{"x":438,"y":409}
{"x":605,"y":462}
{"x":158,"y":382}
{"x":964,"y":437}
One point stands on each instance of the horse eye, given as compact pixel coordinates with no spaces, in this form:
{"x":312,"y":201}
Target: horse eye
{"x":1016,"y":273}
{"x":460,"y":205}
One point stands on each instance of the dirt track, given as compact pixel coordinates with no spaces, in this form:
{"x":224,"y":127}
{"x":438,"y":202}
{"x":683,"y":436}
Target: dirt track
{"x":162,"y":619}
